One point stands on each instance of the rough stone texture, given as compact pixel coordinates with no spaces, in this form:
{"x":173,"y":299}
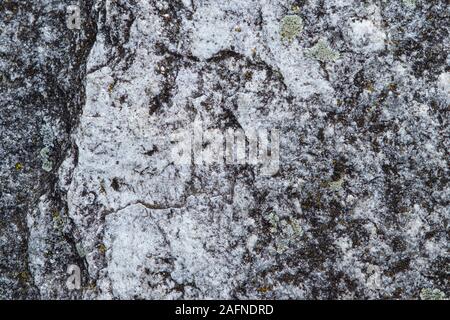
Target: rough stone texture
{"x":358,"y":209}
{"x":42,"y":95}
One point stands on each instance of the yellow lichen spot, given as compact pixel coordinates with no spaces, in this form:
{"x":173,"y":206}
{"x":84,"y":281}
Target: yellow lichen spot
{"x":238,"y":29}
{"x":19,"y":166}
{"x":23,"y":276}
{"x":102,"y":188}
{"x":58,"y":220}
{"x":370,"y":88}
{"x":263,"y":289}
{"x":372,"y":108}
{"x":392,"y":87}
{"x":102,"y":248}
{"x":110,"y":88}
{"x":90,"y":286}
{"x":248,"y":75}
{"x":295,"y":9}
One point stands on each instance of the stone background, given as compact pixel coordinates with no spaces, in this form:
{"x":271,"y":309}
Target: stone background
{"x":359,"y":91}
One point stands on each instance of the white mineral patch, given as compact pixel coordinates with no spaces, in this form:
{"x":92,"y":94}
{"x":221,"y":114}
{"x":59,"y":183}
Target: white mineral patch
{"x":366,"y":37}
{"x":444,"y":84}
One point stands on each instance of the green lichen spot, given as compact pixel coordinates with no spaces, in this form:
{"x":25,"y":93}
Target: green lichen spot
{"x":296,"y":229}
{"x":19,"y":166}
{"x":336,"y":185}
{"x":47,"y":165}
{"x":291,"y":27}
{"x":286,"y":232}
{"x":80,"y":250}
{"x":321,"y":51}
{"x":432,"y":294}
{"x":410,"y":3}
{"x":273,"y":220}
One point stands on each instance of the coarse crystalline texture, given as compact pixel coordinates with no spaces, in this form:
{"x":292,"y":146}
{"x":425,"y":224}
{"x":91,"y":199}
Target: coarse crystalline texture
{"x":357,"y":207}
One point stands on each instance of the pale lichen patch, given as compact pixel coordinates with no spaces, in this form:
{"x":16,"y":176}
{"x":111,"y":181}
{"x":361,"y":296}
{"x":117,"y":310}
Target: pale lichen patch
{"x":321,"y":51}
{"x":432,"y":294}
{"x":291,"y":27}
{"x":410,"y":3}
{"x":47,"y":165}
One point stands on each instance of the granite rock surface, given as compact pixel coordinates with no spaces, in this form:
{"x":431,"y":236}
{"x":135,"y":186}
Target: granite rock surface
{"x":357,"y":208}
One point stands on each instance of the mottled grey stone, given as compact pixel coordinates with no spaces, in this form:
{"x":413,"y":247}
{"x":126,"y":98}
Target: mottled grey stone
{"x":358,"y":208}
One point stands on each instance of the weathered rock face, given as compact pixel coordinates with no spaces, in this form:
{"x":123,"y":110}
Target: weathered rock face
{"x":41,"y":82}
{"x":357,"y":207}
